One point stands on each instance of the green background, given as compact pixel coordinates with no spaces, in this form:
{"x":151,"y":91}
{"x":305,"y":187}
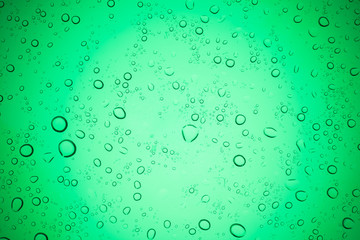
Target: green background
{"x":183,"y":72}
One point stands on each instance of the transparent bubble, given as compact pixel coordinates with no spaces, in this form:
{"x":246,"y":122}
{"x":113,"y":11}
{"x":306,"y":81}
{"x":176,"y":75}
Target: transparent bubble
{"x":237,"y":230}
{"x":26,"y":150}
{"x":199,"y":31}
{"x":230,"y":63}
{"x":332,"y":192}
{"x":119,"y":113}
{"x":67,"y":148}
{"x":10,"y":68}
{"x":190,"y":133}
{"x":204,"y":224}
{"x":41,"y":236}
{"x":16,"y":204}
{"x":214,"y":9}
{"x":167,"y":224}
{"x":240,"y":119}
{"x":270,"y":132}
{"x":324,"y":21}
{"x":301,"y":196}
{"x":239,"y":160}
{"x":275,"y":72}
{"x":217,"y":59}
{"x":59,"y":124}
{"x":98,"y":84}
{"x":348,"y":223}
{"x":151,"y":233}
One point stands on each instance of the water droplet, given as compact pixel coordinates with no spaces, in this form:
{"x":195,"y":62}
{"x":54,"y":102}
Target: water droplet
{"x":214,"y":9}
{"x":199,"y":31}
{"x":41,"y":236}
{"x":204,"y":224}
{"x":16,"y":204}
{"x":204,"y":19}
{"x":167,"y":224}
{"x":275,"y":72}
{"x":237,"y":230}
{"x":323,"y":21}
{"x":119,"y":113}
{"x":67,"y":148}
{"x":26,"y":150}
{"x":239,"y":160}
{"x":240,"y":119}
{"x":182,"y":23}
{"x":151,"y":233}
{"x":230,"y":63}
{"x":98,"y":84}
{"x":190,"y":133}
{"x":190,"y":4}
{"x":301,"y":196}
{"x":332,"y":192}
{"x":217,"y":59}
{"x":205,"y":198}
{"x":169,"y":71}
{"x":10,"y":68}
{"x":354,"y":72}
{"x":348,"y":223}
{"x":270,"y":132}
{"x":80,"y":134}
{"x":351,"y":123}
{"x":59,"y":124}
{"x":126,"y":210}
{"x":267,"y":42}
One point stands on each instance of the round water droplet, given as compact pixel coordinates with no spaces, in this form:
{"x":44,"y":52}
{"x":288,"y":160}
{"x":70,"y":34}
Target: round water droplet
{"x":98,"y":84}
{"x":354,"y":72}
{"x":16,"y":204}
{"x":301,"y":196}
{"x":67,"y":148}
{"x":237,"y":230}
{"x":351,"y":123}
{"x":275,"y":72}
{"x":204,"y":224}
{"x":151,"y":233}
{"x":26,"y":150}
{"x":119,"y":113}
{"x":214,"y":9}
{"x":190,"y":133}
{"x":182,"y":23}
{"x":270,"y":132}
{"x":332,"y":192}
{"x":169,"y":71}
{"x":217,"y":59}
{"x":10,"y":68}
{"x":240,"y":119}
{"x":205,"y":198}
{"x":41,"y":236}
{"x":230,"y":63}
{"x":323,"y":21}
{"x":199,"y":31}
{"x":239,"y":160}
{"x":267,"y":42}
{"x":348,"y":223}
{"x":59,"y":124}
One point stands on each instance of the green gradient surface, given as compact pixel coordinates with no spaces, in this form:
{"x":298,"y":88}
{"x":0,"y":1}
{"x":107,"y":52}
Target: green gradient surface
{"x":179,"y":120}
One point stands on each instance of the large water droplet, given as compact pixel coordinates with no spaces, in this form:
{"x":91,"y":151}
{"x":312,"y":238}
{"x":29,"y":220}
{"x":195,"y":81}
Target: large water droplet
{"x":239,"y":160}
{"x":59,"y":124}
{"x":67,"y":148}
{"x":348,"y":223}
{"x":301,"y":196}
{"x":16,"y":204}
{"x":204,"y":224}
{"x":240,"y":119}
{"x":119,"y":113}
{"x":151,"y":233}
{"x":237,"y":230}
{"x":190,"y":133}
{"x":26,"y":150}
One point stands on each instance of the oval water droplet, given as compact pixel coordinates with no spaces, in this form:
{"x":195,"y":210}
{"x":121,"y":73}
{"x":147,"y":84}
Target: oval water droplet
{"x":237,"y":230}
{"x":16,"y":204}
{"x":204,"y":224}
{"x":332,"y":192}
{"x":190,"y":4}
{"x":151,"y":233}
{"x":270,"y":132}
{"x":348,"y":223}
{"x":119,"y":113}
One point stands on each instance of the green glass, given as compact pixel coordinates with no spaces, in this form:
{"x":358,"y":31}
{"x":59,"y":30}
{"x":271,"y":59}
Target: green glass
{"x":131,"y":120}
